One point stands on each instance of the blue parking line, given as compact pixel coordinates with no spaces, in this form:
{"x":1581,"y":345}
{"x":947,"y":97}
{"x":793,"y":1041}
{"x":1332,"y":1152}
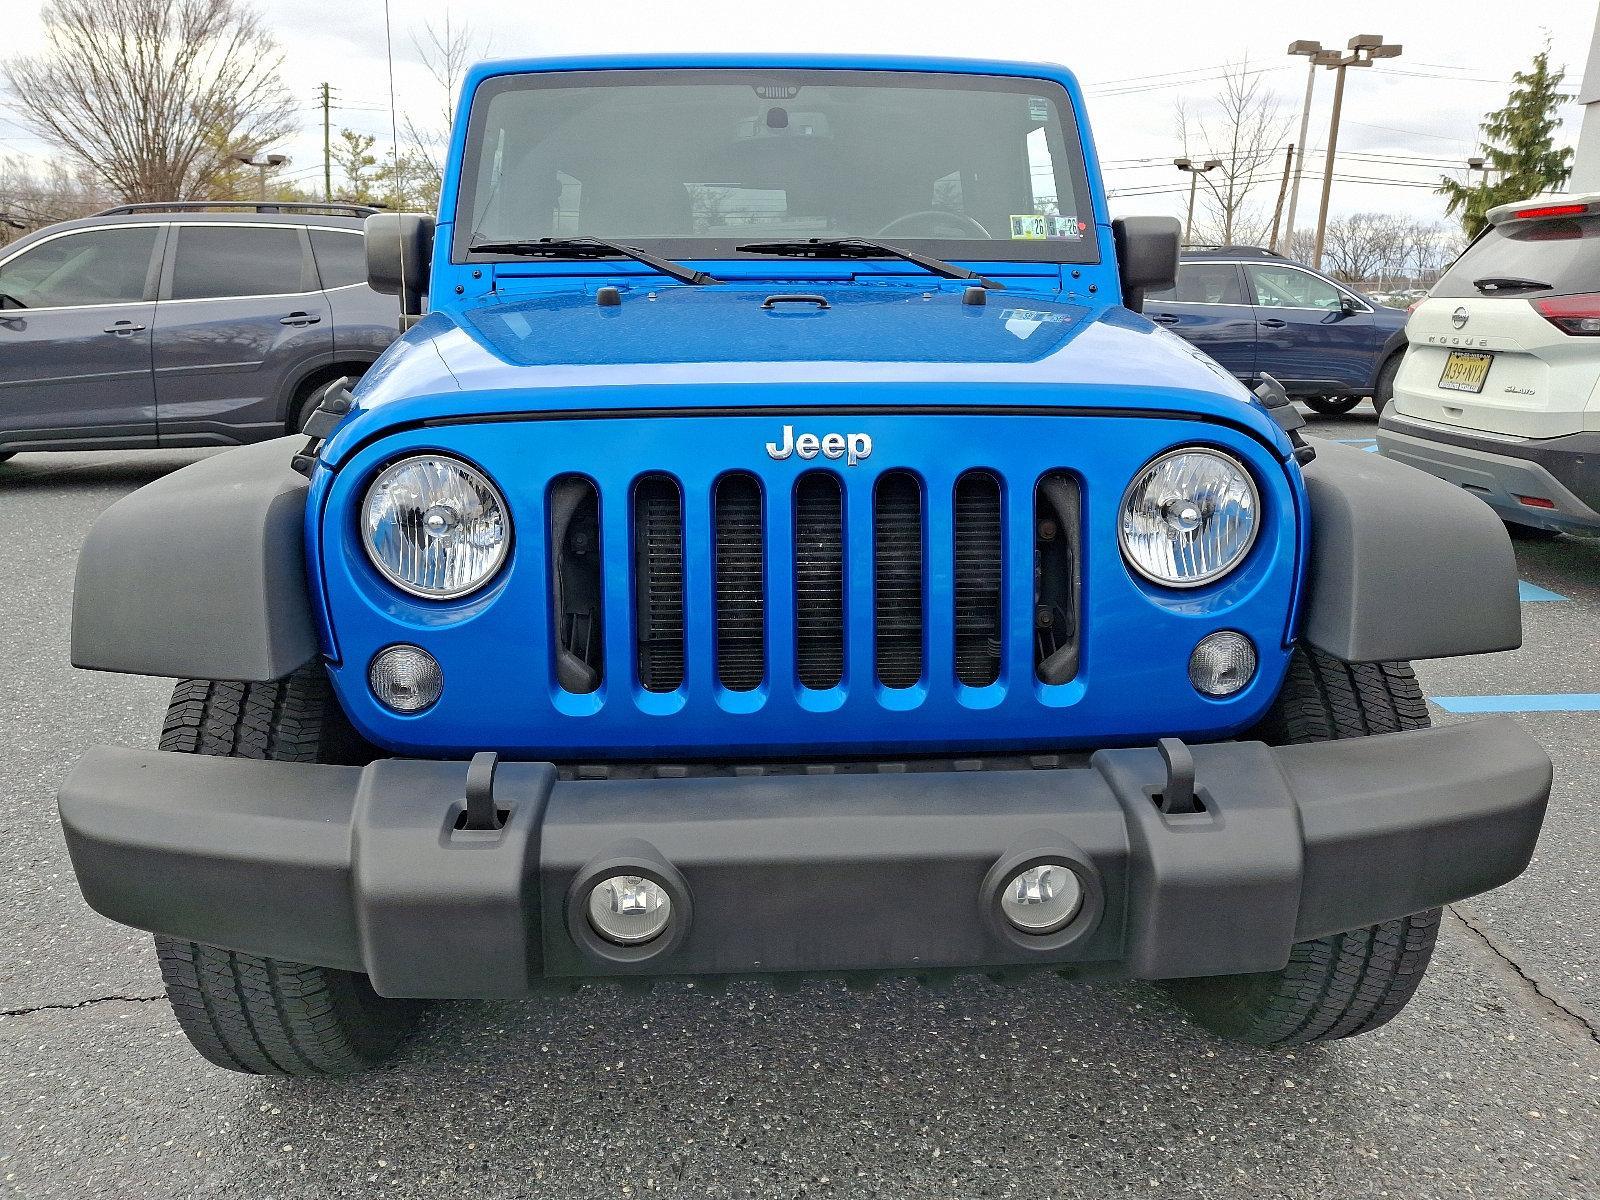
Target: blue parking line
{"x":1532,"y":593}
{"x":1559,"y":702}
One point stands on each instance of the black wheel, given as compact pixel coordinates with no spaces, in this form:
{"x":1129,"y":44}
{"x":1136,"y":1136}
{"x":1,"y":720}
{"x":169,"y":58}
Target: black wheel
{"x":1331,"y":406}
{"x":1347,"y":983}
{"x":267,"y":1016}
{"x":1531,"y":533}
{"x":1383,"y":390}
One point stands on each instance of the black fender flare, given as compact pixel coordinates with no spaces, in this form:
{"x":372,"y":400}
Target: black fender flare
{"x":201,"y":574}
{"x":1403,"y":565}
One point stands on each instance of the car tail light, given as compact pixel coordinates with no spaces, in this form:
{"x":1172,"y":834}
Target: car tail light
{"x":1577,"y":315}
{"x":1550,"y":210}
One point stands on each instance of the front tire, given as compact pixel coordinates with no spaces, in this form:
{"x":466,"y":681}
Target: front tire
{"x":1331,"y":406}
{"x":243,"y":1012}
{"x":1347,"y":983}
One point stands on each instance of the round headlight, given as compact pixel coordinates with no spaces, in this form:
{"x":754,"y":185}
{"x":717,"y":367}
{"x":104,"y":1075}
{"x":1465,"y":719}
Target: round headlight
{"x":435,"y":527}
{"x":1188,"y":518}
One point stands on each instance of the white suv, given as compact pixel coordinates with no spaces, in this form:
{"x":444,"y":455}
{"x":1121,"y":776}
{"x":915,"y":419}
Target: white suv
{"x":1499,"y":390}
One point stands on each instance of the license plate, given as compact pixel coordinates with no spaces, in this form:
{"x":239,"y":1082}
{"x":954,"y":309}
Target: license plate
{"x":1464,"y":372}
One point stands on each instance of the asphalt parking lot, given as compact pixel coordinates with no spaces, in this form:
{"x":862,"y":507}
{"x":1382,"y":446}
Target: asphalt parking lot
{"x":1487,"y":1086}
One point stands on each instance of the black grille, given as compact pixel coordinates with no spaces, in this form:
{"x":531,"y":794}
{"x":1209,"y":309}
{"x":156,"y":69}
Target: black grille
{"x":819,"y":580}
{"x":977,"y":585}
{"x":658,"y":582}
{"x":897,"y":578}
{"x":741,"y":602}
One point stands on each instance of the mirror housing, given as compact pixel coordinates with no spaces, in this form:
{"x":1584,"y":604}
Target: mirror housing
{"x":1147,"y":255}
{"x":399,"y":259}
{"x":1347,"y":306}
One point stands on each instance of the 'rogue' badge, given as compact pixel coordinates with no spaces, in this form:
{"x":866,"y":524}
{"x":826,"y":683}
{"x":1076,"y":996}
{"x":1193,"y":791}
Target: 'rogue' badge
{"x":852,"y":447}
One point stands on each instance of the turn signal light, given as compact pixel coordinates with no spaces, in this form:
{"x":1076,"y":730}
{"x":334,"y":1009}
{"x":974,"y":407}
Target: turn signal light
{"x":1575,"y":315}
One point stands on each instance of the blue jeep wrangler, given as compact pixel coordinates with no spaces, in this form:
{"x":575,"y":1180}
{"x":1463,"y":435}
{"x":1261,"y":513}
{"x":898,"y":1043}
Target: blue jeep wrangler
{"x":779,"y":547}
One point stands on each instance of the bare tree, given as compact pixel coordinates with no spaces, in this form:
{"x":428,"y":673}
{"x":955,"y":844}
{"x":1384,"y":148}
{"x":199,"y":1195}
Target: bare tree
{"x":154,"y":97}
{"x":34,"y":195}
{"x":1243,"y":126}
{"x":447,"y":51}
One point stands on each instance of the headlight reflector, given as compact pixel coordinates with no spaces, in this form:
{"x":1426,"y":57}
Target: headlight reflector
{"x":629,"y":909}
{"x":1189,"y":517}
{"x":435,"y":527}
{"x":1042,"y":899}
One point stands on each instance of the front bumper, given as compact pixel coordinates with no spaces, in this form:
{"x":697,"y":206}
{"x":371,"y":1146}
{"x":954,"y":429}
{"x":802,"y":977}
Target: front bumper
{"x":365,"y":869}
{"x":1563,"y":470}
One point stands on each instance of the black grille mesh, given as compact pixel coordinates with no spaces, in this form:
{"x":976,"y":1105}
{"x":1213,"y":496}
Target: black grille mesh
{"x":897,"y":578}
{"x":819,"y":580}
{"x":977,"y":584}
{"x":658,"y":582}
{"x":741,"y":601}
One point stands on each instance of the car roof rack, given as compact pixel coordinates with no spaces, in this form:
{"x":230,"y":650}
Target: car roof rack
{"x":326,"y":207}
{"x":1234,"y":251}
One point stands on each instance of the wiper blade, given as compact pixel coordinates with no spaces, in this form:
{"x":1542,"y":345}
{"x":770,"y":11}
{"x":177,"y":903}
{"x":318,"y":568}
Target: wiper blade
{"x":865,"y":248}
{"x":1509,"y":283}
{"x":585,"y":247}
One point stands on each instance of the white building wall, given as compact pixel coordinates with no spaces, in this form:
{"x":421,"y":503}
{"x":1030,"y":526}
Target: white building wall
{"x":1586,"y":165}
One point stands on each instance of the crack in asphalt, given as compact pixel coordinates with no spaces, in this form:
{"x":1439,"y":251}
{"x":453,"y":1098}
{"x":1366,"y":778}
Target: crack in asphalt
{"x":23,"y":1012}
{"x":1565,"y":1008}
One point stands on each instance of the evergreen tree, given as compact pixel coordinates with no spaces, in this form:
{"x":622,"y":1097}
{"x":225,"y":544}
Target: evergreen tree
{"x":1519,"y":148}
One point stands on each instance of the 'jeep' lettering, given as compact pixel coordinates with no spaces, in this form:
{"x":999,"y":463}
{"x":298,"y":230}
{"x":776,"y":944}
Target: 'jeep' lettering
{"x":852,"y":447}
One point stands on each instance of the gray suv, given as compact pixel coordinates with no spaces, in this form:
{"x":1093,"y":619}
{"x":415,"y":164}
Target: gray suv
{"x":181,"y":325}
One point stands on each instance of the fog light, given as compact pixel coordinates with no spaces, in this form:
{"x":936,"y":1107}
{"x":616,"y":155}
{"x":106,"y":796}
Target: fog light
{"x":405,"y":678}
{"x":1043,"y":898}
{"x":629,"y":909}
{"x":1222,"y":664}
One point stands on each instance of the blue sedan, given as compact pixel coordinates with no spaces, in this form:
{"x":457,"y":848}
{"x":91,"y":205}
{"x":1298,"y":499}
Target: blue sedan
{"x":1257,"y":313}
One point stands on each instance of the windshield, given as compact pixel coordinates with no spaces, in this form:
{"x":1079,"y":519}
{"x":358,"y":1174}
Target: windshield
{"x":691,"y":164}
{"x":1565,"y":254}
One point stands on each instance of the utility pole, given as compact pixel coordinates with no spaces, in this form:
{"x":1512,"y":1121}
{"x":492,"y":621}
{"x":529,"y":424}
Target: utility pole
{"x":1277,"y":209}
{"x":1363,"y":49}
{"x":327,"y":141}
{"x":1310,"y":50}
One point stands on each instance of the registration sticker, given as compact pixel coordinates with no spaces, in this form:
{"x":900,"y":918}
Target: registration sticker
{"x":1029,"y":227}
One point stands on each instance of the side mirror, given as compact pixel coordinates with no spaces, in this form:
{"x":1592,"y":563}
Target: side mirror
{"x":399,"y":259}
{"x":1347,"y":306}
{"x":1147,"y":255}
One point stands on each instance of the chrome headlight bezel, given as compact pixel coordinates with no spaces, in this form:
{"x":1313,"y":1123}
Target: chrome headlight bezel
{"x":478,"y":478}
{"x":1234,"y":463}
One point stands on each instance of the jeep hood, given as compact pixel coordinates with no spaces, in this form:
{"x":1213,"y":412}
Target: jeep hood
{"x":738,"y":345}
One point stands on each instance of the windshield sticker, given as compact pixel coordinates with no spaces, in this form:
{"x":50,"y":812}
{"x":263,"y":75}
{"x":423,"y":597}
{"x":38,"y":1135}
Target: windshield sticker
{"x":1038,"y":108}
{"x":1022,"y":322}
{"x":1034,"y":227}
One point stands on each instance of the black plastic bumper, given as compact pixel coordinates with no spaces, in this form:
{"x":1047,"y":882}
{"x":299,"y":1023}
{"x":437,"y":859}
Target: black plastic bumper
{"x":366,"y":868}
{"x":1564,"y":471}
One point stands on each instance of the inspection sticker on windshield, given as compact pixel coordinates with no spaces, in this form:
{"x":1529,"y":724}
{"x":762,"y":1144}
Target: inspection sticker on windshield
{"x":1034,"y":227}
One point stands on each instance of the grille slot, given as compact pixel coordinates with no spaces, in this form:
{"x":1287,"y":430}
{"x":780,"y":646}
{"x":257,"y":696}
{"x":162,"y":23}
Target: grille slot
{"x":819,"y":580}
{"x":658,"y":582}
{"x":741,"y":598}
{"x":575,"y":575}
{"x":897,"y":578}
{"x":977,"y":578}
{"x":1056,"y":584}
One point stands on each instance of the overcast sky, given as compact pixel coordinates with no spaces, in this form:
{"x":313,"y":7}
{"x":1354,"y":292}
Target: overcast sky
{"x":1405,"y":119}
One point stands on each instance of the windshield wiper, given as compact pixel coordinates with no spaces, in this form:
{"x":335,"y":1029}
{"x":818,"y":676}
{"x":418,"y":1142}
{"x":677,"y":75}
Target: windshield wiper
{"x":1509,"y":283}
{"x":586,"y":247}
{"x":853,"y":247}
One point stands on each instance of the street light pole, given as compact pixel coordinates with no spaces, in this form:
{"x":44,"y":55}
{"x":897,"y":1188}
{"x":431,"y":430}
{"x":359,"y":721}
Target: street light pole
{"x":1363,"y":49}
{"x":262,"y":163}
{"x":1195,"y":173}
{"x":1310,"y":50}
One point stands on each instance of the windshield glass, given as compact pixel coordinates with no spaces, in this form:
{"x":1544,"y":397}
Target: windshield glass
{"x":1565,"y":254}
{"x":690,"y":164}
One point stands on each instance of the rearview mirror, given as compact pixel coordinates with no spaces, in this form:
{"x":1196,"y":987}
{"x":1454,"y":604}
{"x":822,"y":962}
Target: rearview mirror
{"x":399,"y":258}
{"x":1147,"y":256}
